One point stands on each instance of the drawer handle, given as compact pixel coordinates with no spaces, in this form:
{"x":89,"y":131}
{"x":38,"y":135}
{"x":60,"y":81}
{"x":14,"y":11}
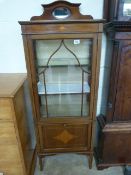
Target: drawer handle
{"x":65,"y":125}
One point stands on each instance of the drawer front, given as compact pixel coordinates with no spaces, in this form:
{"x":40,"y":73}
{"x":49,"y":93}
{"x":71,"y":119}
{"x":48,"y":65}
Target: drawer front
{"x":5,"y":109}
{"x":65,"y":136}
{"x":7,"y":133}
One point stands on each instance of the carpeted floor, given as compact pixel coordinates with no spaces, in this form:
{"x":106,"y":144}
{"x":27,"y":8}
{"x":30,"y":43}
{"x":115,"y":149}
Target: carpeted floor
{"x":73,"y":164}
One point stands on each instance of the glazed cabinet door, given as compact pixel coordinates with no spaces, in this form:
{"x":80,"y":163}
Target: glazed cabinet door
{"x":122,"y":106}
{"x":62,"y":72}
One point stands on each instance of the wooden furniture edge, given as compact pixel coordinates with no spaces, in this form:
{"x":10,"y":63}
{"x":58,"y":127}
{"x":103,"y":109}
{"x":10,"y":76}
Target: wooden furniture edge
{"x":101,"y":121}
{"x":33,"y":162}
{"x":11,"y":95}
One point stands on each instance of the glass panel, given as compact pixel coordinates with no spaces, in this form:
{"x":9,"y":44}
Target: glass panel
{"x":61,"y":13}
{"x":64,"y":70}
{"x":127,"y":8}
{"x":64,"y":105}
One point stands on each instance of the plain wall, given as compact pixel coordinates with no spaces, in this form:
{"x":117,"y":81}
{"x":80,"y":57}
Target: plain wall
{"x":11,"y":46}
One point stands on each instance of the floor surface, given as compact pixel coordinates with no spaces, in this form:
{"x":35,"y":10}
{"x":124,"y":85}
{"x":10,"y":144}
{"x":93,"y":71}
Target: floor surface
{"x":73,"y":164}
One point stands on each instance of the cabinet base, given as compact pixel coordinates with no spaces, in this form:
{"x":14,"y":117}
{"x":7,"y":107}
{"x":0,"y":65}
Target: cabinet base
{"x":41,"y":157}
{"x":100,"y":164}
{"x":114,"y":145}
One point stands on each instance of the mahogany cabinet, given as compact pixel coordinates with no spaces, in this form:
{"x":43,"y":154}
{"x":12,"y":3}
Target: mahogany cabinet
{"x":114,"y":140}
{"x":117,"y":10}
{"x":62,"y":50}
{"x":17,"y":151}
{"x":114,"y":145}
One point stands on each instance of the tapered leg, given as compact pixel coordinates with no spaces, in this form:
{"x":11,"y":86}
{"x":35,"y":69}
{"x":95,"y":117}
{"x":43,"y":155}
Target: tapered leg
{"x":40,"y":163}
{"x":90,"y":161}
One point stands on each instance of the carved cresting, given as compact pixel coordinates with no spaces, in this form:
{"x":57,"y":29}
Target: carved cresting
{"x":73,"y":8}
{"x":65,"y":137}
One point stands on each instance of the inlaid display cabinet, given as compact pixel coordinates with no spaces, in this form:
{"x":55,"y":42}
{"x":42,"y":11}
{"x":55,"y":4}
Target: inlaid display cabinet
{"x":62,"y":50}
{"x":114,"y":147}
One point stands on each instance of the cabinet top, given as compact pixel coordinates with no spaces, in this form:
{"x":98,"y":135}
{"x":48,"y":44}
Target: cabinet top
{"x":61,"y":12}
{"x":10,"y":83}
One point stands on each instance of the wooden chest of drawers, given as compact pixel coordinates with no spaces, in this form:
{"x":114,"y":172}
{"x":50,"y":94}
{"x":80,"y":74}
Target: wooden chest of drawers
{"x":16,"y":153}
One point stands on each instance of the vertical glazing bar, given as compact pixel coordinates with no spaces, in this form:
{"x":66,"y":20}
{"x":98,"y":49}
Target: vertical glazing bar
{"x":82,"y":93}
{"x":45,"y":95}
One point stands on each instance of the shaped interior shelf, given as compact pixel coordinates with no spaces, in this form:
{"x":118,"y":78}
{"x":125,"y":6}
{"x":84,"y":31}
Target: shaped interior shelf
{"x":74,"y":88}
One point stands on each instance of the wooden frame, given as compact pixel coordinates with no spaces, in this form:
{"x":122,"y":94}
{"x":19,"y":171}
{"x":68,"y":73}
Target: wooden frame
{"x":113,"y":11}
{"x":47,"y":27}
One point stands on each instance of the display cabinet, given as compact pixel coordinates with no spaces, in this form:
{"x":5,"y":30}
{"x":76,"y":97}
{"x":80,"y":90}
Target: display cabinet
{"x":62,"y":50}
{"x":118,"y":10}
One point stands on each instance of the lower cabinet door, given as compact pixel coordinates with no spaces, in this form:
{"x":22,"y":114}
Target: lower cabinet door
{"x":65,"y":137}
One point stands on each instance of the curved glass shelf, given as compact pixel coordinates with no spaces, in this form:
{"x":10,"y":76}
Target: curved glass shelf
{"x":63,"y":88}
